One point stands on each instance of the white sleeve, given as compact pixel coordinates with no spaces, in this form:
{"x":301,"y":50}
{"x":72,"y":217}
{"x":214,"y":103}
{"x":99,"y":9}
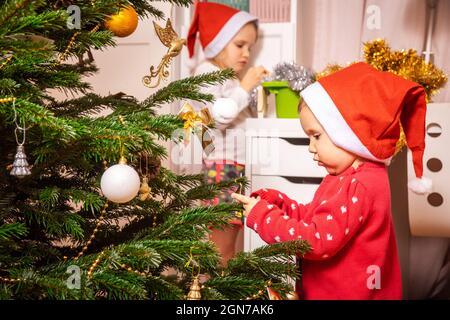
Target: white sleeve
{"x":237,"y":93}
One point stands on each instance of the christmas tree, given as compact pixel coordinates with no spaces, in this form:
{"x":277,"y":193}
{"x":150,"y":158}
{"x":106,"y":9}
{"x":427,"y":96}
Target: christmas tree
{"x":60,"y":238}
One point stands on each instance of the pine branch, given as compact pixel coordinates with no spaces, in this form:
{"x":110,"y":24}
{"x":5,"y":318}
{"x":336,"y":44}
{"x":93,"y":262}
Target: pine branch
{"x":90,"y":201}
{"x":39,"y":22}
{"x":189,"y":180}
{"x":298,"y":247}
{"x":121,"y":285}
{"x":11,"y":230}
{"x":210,"y":293}
{"x":269,"y":262}
{"x":98,"y":40}
{"x":100,"y":139}
{"x":91,"y":104}
{"x":55,"y":223}
{"x":195,"y":222}
{"x":143,"y":8}
{"x":212,"y":190}
{"x":45,"y":286}
{"x":188,"y":88}
{"x":5,"y":292}
{"x":179,"y":251}
{"x":203,"y":191}
{"x":162,"y":126}
{"x":162,"y":289}
{"x":14,"y":8}
{"x":236,"y":288}
{"x":34,"y":114}
{"x":260,"y":268}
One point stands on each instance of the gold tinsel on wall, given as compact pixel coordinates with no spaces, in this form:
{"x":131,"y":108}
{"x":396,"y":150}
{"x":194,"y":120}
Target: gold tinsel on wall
{"x":405,"y":63}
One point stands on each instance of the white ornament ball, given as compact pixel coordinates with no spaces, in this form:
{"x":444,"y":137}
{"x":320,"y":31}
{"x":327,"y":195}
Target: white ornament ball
{"x":120,"y":183}
{"x":225,"y":108}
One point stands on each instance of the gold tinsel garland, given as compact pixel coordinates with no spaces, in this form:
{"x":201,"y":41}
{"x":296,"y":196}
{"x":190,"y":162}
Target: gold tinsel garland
{"x":405,"y":63}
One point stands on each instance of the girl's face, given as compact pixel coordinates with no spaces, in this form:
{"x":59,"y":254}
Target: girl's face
{"x":237,"y":52}
{"x":334,"y":159}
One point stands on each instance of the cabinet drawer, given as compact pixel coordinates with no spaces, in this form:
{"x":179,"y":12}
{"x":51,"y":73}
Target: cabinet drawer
{"x":299,"y":189}
{"x":283,"y":157}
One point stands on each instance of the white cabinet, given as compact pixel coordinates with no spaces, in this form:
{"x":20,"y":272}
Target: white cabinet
{"x":277,"y":157}
{"x":280,"y":156}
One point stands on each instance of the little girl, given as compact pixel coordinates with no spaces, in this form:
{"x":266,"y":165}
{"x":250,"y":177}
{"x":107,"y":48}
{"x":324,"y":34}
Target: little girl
{"x":353,"y":118}
{"x":227,"y":37}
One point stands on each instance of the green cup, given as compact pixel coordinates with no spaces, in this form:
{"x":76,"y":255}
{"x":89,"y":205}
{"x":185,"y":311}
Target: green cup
{"x":286,"y":99}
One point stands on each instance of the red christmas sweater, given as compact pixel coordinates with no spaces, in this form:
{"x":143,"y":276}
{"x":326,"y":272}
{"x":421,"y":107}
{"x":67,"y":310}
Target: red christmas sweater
{"x":349,"y":227}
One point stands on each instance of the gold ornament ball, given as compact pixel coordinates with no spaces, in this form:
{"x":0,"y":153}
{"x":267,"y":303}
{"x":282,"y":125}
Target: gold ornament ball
{"x":124,"y":23}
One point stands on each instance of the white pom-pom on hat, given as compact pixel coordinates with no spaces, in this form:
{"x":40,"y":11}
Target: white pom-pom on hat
{"x":420,"y":185}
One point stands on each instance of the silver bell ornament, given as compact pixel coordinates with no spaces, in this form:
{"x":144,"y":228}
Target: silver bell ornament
{"x":20,"y":166}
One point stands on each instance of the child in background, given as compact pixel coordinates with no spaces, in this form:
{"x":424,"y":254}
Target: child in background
{"x":227,"y":36}
{"x":353,"y":118}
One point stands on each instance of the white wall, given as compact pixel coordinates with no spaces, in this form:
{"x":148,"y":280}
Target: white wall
{"x":334,"y":31}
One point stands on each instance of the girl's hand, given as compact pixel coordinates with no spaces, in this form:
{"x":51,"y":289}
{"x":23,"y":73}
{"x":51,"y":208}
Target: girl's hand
{"x":248,"y":202}
{"x":253,"y":77}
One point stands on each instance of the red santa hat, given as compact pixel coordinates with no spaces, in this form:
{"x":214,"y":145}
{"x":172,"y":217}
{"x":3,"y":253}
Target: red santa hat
{"x":217,"y":25}
{"x":362,"y":109}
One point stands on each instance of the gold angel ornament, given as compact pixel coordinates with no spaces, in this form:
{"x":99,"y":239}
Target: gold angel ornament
{"x":174,"y":43}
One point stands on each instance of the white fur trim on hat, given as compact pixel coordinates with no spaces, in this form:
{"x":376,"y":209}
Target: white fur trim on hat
{"x":326,"y":112}
{"x":420,"y":185}
{"x":227,"y":33}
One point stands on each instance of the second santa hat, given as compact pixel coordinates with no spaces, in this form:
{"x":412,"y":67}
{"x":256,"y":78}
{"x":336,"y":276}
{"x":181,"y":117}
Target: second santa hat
{"x":363,"y":110}
{"x":217,"y":24}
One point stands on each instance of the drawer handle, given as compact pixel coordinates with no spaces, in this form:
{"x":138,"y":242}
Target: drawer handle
{"x":303,"y":180}
{"x":297,"y":141}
